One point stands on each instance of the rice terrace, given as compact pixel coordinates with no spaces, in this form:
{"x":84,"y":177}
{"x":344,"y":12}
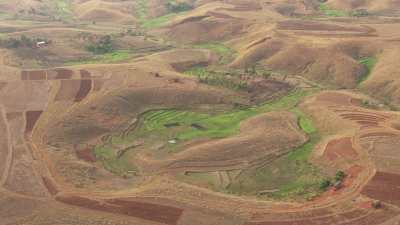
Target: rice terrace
{"x":199,"y":112}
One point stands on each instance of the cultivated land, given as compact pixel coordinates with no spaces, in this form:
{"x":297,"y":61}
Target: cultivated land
{"x":199,"y":112}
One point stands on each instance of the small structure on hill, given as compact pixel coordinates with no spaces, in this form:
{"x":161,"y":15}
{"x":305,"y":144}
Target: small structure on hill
{"x":41,"y":44}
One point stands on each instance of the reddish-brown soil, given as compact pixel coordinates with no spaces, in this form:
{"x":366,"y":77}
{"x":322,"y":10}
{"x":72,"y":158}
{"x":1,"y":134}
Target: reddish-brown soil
{"x":335,"y":98}
{"x":316,"y":26}
{"x":50,"y":185}
{"x":31,"y":119}
{"x":378,"y":134}
{"x":85,"y":87}
{"x":68,"y":90}
{"x":385,"y":187}
{"x":98,"y":84}
{"x":154,"y":212}
{"x":33,"y":75}
{"x":85,"y":74}
{"x":340,"y":148}
{"x":64,"y":73}
{"x":86,"y":154}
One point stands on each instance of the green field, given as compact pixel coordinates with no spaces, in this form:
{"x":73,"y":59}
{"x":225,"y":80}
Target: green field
{"x":216,"y":78}
{"x":113,"y":57}
{"x":369,"y":63}
{"x":227,"y":54}
{"x":292,"y":176}
{"x":327,"y":11}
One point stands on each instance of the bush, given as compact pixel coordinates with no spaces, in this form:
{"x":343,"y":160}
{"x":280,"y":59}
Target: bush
{"x":102,"y":46}
{"x":340,"y":175}
{"x":22,"y":42}
{"x":176,"y":7}
{"x":325,"y":184}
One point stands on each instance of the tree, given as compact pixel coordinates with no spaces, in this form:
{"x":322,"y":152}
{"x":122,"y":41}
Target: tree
{"x":325,"y":184}
{"x":340,"y":175}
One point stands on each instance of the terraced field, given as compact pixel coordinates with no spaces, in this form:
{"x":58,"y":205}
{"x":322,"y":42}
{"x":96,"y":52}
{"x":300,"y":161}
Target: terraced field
{"x":199,"y":112}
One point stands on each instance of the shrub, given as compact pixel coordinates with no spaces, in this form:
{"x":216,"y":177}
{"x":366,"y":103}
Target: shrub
{"x":340,"y":175}
{"x":102,"y":46}
{"x":325,"y":183}
{"x":176,"y":7}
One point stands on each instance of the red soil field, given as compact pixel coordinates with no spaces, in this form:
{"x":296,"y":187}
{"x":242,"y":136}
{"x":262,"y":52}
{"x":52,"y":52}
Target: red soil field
{"x":13,"y":115}
{"x":335,"y":98}
{"x":68,"y":90}
{"x":85,"y":74}
{"x":385,"y":187}
{"x":340,"y":148}
{"x":2,"y":85}
{"x":85,"y":87}
{"x":33,"y":75}
{"x":97,"y":85}
{"x":86,"y":154}
{"x":25,"y":75}
{"x":159,"y":213}
{"x":49,"y":184}
{"x":31,"y":119}
{"x":64,"y":73}
{"x":316,"y":26}
{"x":377,"y":134}
{"x":315,"y":219}
{"x":37,"y":75}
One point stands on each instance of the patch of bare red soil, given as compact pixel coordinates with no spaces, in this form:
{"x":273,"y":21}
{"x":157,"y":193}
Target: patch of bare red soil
{"x":385,"y":187}
{"x":335,"y":98}
{"x":85,"y":74}
{"x":64,"y":73}
{"x":85,"y":87}
{"x":354,"y":217}
{"x":86,"y":154}
{"x":31,"y":119}
{"x":98,"y":84}
{"x":33,"y":75}
{"x":68,"y":90}
{"x":378,"y":134}
{"x":149,"y":211}
{"x":340,"y":148}
{"x":50,"y":185}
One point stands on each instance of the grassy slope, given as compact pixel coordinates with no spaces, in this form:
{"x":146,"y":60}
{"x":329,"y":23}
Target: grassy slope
{"x":369,"y":63}
{"x":227,"y":54}
{"x":113,"y":57}
{"x":292,"y":174}
{"x":327,"y":11}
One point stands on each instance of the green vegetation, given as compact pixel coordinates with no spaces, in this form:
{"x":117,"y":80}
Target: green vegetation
{"x":112,"y":57}
{"x":141,"y":10}
{"x":290,"y":176}
{"x":325,"y":184}
{"x":101,"y":46}
{"x":158,"y":21}
{"x":113,"y":163}
{"x":176,"y":7}
{"x":216,"y":78}
{"x":22,"y":42}
{"x":327,"y":11}
{"x":63,"y":9}
{"x":227,"y":54}
{"x":369,"y":63}
{"x":339,"y":176}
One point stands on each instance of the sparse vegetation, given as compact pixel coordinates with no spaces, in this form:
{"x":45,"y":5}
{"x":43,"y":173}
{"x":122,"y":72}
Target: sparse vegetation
{"x":227,"y":54}
{"x":176,"y":7}
{"x":22,"y":42}
{"x":369,"y":63}
{"x":112,"y":57}
{"x":216,"y":78}
{"x":101,"y":46}
{"x":327,"y":11}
